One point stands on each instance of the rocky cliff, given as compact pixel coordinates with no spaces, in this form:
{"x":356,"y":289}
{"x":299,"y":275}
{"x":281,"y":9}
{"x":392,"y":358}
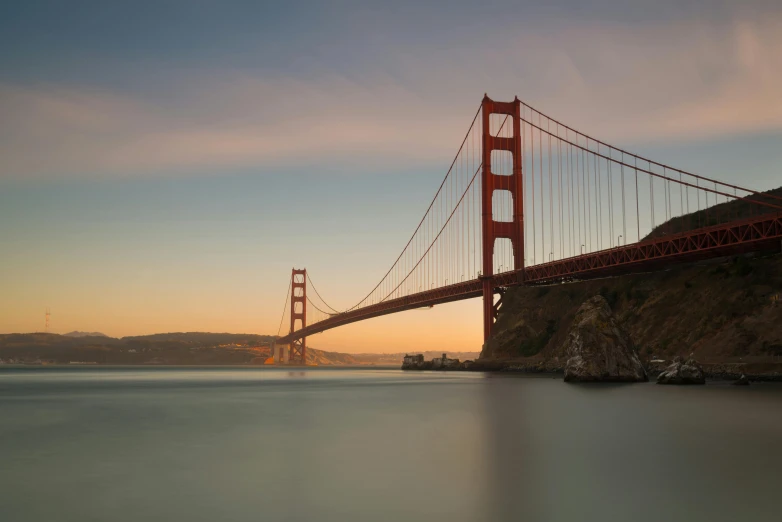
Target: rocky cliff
{"x":723,"y":310}
{"x":598,"y":349}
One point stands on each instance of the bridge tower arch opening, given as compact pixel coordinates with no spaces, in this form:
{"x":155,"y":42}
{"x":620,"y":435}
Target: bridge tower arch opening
{"x":493,"y":180}
{"x":297,"y":350}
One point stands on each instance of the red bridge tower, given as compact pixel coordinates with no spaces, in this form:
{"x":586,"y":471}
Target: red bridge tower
{"x":492,"y":182}
{"x":297,"y":353}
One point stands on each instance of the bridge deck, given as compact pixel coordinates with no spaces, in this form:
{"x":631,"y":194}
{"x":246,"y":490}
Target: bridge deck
{"x":757,"y":234}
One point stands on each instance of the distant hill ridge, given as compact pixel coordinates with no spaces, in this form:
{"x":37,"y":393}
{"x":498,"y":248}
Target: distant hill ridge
{"x":77,"y":333}
{"x":171,"y":348}
{"x":722,"y":213}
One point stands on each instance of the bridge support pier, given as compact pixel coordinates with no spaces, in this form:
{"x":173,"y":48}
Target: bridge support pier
{"x":280,"y":353}
{"x":492,"y":182}
{"x":297,"y":350}
{"x":488,"y":307}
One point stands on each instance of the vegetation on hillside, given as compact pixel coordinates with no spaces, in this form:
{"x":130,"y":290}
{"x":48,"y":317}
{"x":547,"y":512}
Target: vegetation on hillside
{"x":175,"y":348}
{"x":202,"y":348}
{"x":718,"y":310}
{"x":721,"y":213}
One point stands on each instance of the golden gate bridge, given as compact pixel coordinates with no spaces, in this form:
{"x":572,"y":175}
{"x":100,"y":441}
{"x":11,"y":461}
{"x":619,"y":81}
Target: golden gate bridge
{"x":529,"y":200}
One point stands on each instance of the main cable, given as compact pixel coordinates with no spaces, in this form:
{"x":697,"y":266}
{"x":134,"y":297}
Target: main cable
{"x":446,"y":222}
{"x":653,"y":174}
{"x":319,"y":310}
{"x":319,"y":296}
{"x":754,"y":192}
{"x":426,"y":213}
{"x":285,"y":306}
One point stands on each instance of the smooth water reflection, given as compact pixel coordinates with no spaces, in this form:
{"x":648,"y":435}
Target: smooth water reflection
{"x":349,"y":445}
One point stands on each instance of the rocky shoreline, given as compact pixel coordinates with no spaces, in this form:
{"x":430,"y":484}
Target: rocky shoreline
{"x":755,"y":372}
{"x":597,"y":348}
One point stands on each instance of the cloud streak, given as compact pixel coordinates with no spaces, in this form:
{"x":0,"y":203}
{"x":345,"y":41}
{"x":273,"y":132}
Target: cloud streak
{"x":627,"y":83}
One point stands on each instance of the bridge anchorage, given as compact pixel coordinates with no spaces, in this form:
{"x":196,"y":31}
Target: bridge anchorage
{"x":529,"y":200}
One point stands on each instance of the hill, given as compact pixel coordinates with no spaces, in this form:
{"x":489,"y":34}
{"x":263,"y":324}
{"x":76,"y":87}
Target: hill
{"x":722,"y":310}
{"x":722,"y":213}
{"x":60,"y":349}
{"x":719,"y":311}
{"x":200,"y":348}
{"x":77,"y":333}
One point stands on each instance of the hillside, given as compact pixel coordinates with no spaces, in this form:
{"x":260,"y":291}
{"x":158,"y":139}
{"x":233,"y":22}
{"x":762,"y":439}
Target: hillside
{"x":719,"y":311}
{"x":722,"y":213}
{"x":200,"y":348}
{"x":77,"y":333}
{"x":189,"y":348}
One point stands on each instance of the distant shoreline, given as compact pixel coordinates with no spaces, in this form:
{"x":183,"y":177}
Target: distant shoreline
{"x":233,"y":366}
{"x":770,"y":371}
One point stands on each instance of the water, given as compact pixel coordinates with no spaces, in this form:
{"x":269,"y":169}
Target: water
{"x":95,"y":444}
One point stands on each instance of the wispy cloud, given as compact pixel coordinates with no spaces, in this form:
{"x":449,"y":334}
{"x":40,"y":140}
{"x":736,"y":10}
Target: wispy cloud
{"x":627,"y":83}
{"x":246,"y":121}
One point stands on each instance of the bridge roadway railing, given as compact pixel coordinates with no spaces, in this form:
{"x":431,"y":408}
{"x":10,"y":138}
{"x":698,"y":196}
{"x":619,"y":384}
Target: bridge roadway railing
{"x":756,"y":234}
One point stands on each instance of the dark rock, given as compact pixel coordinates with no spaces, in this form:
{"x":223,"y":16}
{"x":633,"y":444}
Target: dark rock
{"x":742,"y":381}
{"x":682,"y":372}
{"x":598,"y":349}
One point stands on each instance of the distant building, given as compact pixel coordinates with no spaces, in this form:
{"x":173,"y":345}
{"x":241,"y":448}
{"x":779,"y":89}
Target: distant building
{"x":412,"y":360}
{"x":444,"y":362}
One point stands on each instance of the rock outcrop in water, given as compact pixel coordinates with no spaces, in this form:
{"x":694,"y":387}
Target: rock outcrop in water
{"x":682,"y":372}
{"x":598,"y":349}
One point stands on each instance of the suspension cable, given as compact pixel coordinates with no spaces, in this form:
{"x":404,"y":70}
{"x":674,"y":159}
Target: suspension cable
{"x":427,"y":210}
{"x":651,"y":161}
{"x":438,"y":234}
{"x":318,"y":309}
{"x":319,"y":296}
{"x":444,"y":224}
{"x":285,"y":306}
{"x":663,"y":177}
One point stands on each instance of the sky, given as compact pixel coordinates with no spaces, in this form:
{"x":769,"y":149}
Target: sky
{"x":163,"y":165}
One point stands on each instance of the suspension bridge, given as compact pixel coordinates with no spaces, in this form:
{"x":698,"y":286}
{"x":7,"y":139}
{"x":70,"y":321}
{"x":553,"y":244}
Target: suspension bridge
{"x":529,"y":200}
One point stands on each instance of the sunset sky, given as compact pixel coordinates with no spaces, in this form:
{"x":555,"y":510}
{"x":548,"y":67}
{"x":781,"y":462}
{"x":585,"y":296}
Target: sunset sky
{"x":164,"y":164}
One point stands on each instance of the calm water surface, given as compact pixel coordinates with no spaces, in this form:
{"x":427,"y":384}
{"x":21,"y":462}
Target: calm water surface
{"x":94,"y":444}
